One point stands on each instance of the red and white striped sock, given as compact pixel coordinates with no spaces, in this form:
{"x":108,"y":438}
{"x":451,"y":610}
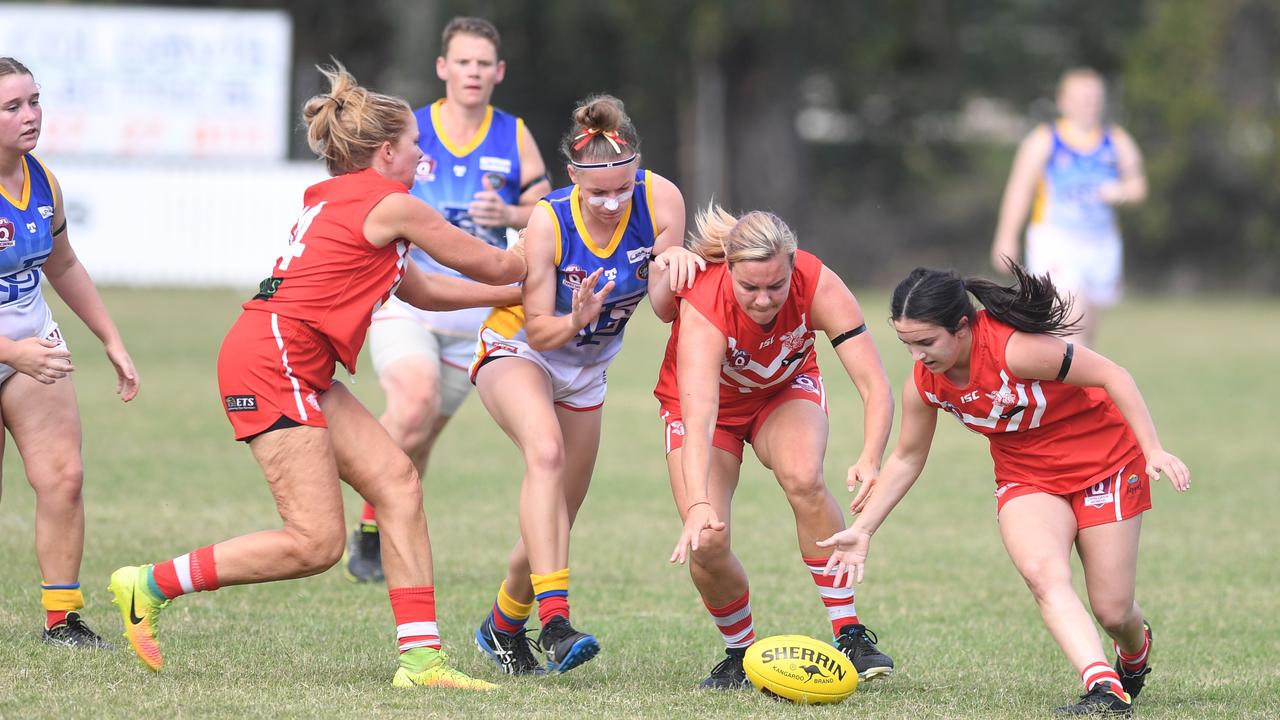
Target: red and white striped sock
{"x":415,"y":611}
{"x":1135,"y":662}
{"x":734,"y":622}
{"x":194,"y":572}
{"x":839,"y":600}
{"x":1101,"y":672}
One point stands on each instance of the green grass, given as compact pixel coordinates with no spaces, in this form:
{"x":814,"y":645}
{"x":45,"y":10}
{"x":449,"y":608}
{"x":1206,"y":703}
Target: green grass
{"x":163,"y":477}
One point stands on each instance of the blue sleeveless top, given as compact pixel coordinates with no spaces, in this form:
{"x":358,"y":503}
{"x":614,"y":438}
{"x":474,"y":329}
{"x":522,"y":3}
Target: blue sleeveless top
{"x":1067,"y":196}
{"x":26,"y":237}
{"x":450,"y":175}
{"x":624,"y":259}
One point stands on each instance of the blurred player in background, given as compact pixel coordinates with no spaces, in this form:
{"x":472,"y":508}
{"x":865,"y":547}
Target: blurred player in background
{"x":741,"y":367}
{"x":481,"y":169}
{"x":37,"y":399}
{"x":346,"y":256}
{"x":1075,"y":454}
{"x":541,"y":367}
{"x":1070,"y":175}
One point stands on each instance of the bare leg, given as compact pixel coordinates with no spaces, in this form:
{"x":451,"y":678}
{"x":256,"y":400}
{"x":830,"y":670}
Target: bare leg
{"x":1110,"y":556}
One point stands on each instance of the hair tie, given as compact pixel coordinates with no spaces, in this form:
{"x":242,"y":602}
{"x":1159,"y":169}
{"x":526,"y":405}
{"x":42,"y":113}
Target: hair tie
{"x":587,"y":133}
{"x":335,"y":100}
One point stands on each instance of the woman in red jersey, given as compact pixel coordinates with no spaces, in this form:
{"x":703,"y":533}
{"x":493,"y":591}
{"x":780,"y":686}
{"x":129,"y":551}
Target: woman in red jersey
{"x":741,"y":367}
{"x":345,"y":257}
{"x":1075,"y":451}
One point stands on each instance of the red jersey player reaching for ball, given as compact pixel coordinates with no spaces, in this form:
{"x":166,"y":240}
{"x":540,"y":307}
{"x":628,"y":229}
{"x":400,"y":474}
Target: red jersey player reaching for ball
{"x":741,"y":367}
{"x":346,"y":255}
{"x":1075,"y":451}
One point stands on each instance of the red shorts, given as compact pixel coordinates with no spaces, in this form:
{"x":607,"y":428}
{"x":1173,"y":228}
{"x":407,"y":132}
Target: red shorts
{"x":1113,"y":498}
{"x":738,"y":422}
{"x":271,"y":367}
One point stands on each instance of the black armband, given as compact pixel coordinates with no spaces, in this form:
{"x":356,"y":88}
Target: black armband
{"x":1066,"y":362}
{"x":61,"y":228}
{"x":851,"y":334}
{"x":535,"y":181}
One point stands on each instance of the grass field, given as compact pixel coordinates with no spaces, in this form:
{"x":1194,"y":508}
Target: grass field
{"x":163,"y":477}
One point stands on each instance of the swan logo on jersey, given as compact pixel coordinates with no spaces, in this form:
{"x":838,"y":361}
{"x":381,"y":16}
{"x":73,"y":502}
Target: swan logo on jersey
{"x":795,"y":339}
{"x":6,"y":233}
{"x":426,"y":169}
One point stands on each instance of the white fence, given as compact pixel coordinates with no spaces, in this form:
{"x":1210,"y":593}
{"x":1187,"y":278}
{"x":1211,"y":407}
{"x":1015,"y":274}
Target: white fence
{"x":181,"y":224}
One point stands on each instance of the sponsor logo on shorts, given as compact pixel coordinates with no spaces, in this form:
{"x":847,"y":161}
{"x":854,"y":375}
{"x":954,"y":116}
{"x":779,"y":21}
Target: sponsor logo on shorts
{"x":1132,"y":484}
{"x":1000,"y":491}
{"x":1099,"y":494}
{"x":677,"y":428}
{"x":503,"y":347}
{"x":54,"y":335}
{"x":241,"y":403}
{"x":6,"y":233}
{"x":313,"y":401}
{"x":491,"y":164}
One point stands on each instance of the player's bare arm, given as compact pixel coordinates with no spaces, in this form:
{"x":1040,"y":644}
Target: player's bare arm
{"x":402,"y":216}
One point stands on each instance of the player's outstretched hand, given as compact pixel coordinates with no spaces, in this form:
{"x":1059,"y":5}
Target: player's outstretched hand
{"x":850,"y":556}
{"x":1164,"y":462}
{"x":701,"y":516}
{"x":681,"y":266}
{"x":487,"y":209}
{"x":587,"y":302}
{"x":44,"y":360}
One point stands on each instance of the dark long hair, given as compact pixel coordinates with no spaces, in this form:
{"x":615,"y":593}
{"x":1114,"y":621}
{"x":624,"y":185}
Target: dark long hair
{"x":941,"y":297}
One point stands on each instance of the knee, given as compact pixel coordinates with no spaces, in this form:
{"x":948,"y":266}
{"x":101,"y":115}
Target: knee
{"x":804,"y":487}
{"x":544,"y":458}
{"x":413,"y":413}
{"x":1045,"y":577}
{"x":399,"y":485}
{"x":713,"y":549}
{"x":1114,"y":615}
{"x":318,"y":547}
{"x":62,"y":483}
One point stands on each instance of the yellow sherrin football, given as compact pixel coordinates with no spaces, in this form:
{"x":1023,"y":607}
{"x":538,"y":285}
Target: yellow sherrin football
{"x":800,"y":669}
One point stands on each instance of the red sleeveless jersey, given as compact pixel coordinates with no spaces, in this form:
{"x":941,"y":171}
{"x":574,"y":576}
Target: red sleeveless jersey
{"x":1048,"y":434}
{"x":330,"y":277}
{"x":758,"y":361}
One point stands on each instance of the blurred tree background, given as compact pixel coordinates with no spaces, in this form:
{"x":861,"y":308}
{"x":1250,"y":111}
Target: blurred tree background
{"x":882,"y":130}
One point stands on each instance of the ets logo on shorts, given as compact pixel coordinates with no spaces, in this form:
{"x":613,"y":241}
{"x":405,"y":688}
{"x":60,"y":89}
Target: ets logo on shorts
{"x":241,"y":403}
{"x":6,"y":233}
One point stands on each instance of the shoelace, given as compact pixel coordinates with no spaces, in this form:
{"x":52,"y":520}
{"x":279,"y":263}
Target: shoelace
{"x":730,"y":664}
{"x":522,"y":642}
{"x":864,"y":640}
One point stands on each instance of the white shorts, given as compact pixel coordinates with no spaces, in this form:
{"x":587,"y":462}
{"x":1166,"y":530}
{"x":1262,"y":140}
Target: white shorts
{"x":392,"y":339}
{"x":49,"y":331}
{"x":1084,"y":265}
{"x":573,"y":387}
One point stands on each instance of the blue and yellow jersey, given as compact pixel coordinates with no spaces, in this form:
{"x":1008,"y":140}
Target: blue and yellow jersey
{"x":624,"y":258}
{"x":1067,"y":195}
{"x":450,"y":175}
{"x":26,"y":237}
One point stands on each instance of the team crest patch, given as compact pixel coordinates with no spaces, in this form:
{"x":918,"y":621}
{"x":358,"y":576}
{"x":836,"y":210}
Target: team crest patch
{"x":806,"y":383}
{"x":494,"y":181}
{"x":1099,"y":494}
{"x":6,"y":233}
{"x":426,"y":169}
{"x":573,"y":277}
{"x":642,"y":272}
{"x":241,"y":403}
{"x":739,"y":358}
